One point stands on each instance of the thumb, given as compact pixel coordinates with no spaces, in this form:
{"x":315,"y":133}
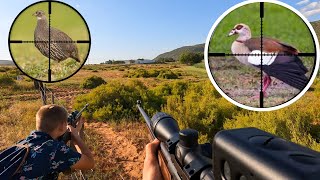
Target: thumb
{"x":152,"y":148}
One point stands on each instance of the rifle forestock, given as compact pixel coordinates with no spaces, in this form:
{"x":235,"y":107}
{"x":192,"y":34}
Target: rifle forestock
{"x":167,"y":167}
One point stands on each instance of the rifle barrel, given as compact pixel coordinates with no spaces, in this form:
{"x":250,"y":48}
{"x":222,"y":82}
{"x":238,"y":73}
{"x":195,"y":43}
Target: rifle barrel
{"x":147,"y":120}
{"x":80,"y":112}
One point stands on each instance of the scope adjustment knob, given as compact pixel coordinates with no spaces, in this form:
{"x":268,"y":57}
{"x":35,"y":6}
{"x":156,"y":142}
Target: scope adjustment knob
{"x":188,"y":138}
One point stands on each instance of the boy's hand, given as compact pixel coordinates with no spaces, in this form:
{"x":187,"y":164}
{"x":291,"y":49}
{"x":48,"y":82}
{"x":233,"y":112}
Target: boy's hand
{"x":75,"y":132}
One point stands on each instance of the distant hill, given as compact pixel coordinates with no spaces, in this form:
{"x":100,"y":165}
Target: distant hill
{"x":6,"y":62}
{"x":176,"y":53}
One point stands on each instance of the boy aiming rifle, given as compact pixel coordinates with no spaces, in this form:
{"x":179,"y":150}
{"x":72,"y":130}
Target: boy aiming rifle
{"x":42,"y":155}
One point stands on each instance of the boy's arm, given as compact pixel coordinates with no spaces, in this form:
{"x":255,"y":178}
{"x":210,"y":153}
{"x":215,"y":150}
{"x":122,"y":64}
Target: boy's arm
{"x":86,"y":161}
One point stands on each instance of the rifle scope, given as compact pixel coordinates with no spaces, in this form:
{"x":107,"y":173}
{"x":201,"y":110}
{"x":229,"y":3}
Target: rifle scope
{"x":194,"y":159}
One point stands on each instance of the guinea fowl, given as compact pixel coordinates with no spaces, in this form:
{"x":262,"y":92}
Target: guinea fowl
{"x":61,"y":45}
{"x":282,"y":61}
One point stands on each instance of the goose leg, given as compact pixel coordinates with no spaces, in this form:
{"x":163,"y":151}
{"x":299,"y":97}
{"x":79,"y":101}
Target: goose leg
{"x":266,"y":83}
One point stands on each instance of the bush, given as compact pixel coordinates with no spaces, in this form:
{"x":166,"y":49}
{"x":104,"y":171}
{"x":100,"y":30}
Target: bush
{"x":200,"y":65}
{"x":164,"y":60}
{"x":200,"y":108}
{"x":4,"y":68}
{"x":168,"y":74}
{"x":138,"y":73}
{"x":190,"y":58}
{"x":171,"y":88}
{"x":92,"y":82}
{"x":6,"y":80}
{"x":116,"y":101}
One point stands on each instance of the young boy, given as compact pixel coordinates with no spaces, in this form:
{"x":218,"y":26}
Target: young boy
{"x":48,"y":156}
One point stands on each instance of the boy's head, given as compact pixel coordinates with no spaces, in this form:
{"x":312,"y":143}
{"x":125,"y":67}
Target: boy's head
{"x":52,"y":118}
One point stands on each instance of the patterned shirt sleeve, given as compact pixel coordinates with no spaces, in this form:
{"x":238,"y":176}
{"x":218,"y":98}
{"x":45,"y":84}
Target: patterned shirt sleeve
{"x":63,"y":158}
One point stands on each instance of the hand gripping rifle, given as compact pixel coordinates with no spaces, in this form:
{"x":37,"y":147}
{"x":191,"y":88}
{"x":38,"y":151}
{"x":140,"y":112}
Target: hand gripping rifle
{"x":73,"y":119}
{"x":236,"y":154}
{"x":179,"y":150}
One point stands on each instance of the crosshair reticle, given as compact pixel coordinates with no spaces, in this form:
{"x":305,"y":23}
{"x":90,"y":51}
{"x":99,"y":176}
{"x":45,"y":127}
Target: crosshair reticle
{"x":262,"y":55}
{"x":49,"y":41}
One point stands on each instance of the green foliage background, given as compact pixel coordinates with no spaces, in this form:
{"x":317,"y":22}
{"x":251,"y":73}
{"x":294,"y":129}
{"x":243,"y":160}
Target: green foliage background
{"x":278,"y":22}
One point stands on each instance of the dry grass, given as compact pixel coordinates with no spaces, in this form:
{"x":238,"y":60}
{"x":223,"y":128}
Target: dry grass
{"x":17,"y":121}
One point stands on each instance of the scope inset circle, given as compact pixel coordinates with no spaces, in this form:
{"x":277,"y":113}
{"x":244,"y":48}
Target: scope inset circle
{"x":49,"y":30}
{"x":288,"y":52}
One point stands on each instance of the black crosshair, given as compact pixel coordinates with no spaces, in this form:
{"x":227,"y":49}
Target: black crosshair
{"x":260,"y":54}
{"x":49,"y":62}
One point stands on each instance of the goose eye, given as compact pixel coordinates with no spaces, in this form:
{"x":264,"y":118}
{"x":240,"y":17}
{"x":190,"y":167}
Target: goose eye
{"x":239,"y":27}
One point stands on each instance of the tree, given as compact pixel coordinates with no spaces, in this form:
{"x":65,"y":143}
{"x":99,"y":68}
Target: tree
{"x":164,"y":60}
{"x":190,"y":58}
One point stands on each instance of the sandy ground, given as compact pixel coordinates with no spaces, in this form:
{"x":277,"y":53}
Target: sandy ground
{"x":119,"y":150}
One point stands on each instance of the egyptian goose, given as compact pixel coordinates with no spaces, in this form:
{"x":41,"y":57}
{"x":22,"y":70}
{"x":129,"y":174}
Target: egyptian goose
{"x":281,"y":63}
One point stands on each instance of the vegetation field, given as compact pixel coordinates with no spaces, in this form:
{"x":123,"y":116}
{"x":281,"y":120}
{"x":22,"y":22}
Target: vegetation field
{"x":115,"y":130}
{"x":29,"y":58}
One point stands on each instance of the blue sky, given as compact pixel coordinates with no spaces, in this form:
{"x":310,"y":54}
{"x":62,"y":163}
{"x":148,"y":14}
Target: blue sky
{"x":131,"y":29}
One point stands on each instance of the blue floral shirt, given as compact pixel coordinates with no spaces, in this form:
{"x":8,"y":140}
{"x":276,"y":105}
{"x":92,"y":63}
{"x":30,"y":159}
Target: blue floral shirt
{"x":47,"y":157}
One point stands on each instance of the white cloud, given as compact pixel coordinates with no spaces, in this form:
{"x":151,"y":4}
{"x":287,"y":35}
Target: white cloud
{"x":311,"y":9}
{"x":302,"y":2}
{"x":312,"y":12}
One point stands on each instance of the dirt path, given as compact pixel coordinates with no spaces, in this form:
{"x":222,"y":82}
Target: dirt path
{"x":119,"y":150}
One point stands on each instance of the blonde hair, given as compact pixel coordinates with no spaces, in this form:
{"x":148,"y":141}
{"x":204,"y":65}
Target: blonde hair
{"x":49,"y":117}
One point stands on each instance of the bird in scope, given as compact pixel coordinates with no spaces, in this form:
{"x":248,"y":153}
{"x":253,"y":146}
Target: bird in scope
{"x":61,"y":45}
{"x":281,"y":62}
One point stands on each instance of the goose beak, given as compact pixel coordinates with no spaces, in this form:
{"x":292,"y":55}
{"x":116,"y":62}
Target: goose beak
{"x":34,"y":14}
{"x":232,"y":32}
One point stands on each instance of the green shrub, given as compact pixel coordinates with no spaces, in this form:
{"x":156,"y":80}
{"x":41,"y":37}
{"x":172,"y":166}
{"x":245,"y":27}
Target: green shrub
{"x":4,"y":68}
{"x":164,"y":60}
{"x":168,"y":74}
{"x":200,"y":65}
{"x":153,"y":73}
{"x":200,"y":108}
{"x":190,"y":58}
{"x":116,"y":101}
{"x":92,"y":82}
{"x":6,"y":80}
{"x":171,"y":88}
